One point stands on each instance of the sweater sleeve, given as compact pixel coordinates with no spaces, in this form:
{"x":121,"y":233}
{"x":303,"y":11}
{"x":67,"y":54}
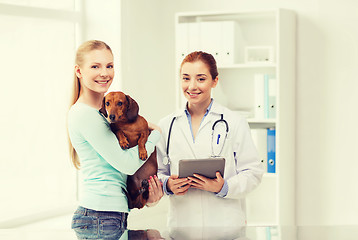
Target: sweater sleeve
{"x":96,"y":131}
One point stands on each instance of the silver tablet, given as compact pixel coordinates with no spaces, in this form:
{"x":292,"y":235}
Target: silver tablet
{"x":206,"y":167}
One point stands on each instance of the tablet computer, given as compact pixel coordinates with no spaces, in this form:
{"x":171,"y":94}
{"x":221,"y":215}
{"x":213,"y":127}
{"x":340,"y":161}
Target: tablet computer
{"x":206,"y":167}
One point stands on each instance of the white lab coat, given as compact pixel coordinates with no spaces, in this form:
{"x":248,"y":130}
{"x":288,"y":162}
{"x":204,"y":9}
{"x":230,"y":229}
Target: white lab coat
{"x":243,"y":170}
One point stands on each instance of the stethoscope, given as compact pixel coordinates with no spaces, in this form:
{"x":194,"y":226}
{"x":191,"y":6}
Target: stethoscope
{"x":220,"y":139}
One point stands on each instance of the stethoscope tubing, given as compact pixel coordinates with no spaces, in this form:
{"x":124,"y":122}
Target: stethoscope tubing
{"x":212,"y":136}
{"x":169,"y":133}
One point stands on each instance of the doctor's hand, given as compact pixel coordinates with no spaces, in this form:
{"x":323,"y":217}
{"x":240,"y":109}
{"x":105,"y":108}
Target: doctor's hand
{"x":179,"y":186}
{"x":207,"y":184}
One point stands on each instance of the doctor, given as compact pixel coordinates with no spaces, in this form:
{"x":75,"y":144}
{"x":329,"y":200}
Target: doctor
{"x":205,"y":129}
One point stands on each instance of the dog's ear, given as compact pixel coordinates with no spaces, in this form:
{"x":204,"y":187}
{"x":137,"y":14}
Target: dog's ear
{"x":103,"y":109}
{"x":132,"y":109}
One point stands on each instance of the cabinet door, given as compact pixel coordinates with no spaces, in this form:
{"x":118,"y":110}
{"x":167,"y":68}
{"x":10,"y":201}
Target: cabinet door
{"x":210,"y":38}
{"x":193,"y":36}
{"x":182,"y":42}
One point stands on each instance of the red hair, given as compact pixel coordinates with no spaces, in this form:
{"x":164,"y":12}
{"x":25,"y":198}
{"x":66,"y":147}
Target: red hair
{"x":206,"y":58}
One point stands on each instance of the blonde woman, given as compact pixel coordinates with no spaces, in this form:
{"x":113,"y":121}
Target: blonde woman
{"x":95,"y":150}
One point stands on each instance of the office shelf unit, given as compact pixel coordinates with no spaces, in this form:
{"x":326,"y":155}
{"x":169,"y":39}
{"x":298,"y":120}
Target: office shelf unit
{"x":247,"y":44}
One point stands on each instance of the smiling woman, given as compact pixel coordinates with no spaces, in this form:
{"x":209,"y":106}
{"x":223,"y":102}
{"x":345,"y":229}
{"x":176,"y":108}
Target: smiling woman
{"x":96,"y":152}
{"x":93,"y":74}
{"x":97,"y":71}
{"x":198,"y":200}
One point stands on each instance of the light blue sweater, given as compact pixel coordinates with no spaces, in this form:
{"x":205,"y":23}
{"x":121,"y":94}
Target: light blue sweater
{"x":104,"y":165}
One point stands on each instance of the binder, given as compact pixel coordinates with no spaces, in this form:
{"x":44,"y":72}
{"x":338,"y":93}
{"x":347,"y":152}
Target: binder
{"x":193,"y":37}
{"x":271,"y":150}
{"x":259,"y":96}
{"x":259,"y":137}
{"x":272,"y":97}
{"x":267,"y":233}
{"x":269,"y":96}
{"x":266,"y":96}
{"x":210,"y":42}
{"x":228,"y":43}
{"x":261,"y":233}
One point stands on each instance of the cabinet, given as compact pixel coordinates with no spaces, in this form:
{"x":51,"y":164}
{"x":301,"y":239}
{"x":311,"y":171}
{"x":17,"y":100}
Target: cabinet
{"x":247,"y":46}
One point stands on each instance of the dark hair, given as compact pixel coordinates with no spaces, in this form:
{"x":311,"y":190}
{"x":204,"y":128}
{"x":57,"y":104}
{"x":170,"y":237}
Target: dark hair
{"x":206,"y":58}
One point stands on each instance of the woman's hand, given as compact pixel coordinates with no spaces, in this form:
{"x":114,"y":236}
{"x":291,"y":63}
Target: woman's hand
{"x":211,"y":185}
{"x":179,"y":186}
{"x":152,"y":127}
{"x":155,"y":191}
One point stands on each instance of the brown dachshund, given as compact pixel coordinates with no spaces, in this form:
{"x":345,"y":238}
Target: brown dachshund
{"x":131,"y":129}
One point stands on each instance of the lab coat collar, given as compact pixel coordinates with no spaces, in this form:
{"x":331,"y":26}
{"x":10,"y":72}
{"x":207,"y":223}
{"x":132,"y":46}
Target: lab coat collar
{"x":214,"y":107}
{"x":217,"y":108}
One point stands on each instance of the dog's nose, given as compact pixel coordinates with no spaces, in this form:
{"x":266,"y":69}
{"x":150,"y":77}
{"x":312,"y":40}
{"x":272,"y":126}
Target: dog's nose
{"x":112,"y":117}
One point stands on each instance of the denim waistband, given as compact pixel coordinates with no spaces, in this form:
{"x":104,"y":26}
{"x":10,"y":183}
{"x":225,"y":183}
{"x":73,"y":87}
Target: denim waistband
{"x":89,"y":212}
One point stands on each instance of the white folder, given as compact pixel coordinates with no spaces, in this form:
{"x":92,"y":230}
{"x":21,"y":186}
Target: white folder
{"x":210,"y":39}
{"x":259,"y":137}
{"x":259,"y":96}
{"x":193,"y":36}
{"x":272,"y":98}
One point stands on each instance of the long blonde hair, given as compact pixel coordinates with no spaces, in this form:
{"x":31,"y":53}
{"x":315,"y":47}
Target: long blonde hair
{"x":76,"y":88}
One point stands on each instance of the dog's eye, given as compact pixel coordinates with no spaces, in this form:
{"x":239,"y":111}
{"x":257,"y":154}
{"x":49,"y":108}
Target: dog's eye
{"x":119,"y":103}
{"x":107,"y":103}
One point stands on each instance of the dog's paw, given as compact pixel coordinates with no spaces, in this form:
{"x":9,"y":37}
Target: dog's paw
{"x":143,"y":155}
{"x":124,"y":144}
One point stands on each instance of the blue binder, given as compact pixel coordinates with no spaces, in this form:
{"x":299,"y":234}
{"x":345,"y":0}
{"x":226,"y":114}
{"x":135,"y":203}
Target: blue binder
{"x":271,"y":150}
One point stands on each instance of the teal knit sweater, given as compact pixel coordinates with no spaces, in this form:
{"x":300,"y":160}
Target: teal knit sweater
{"x":104,"y":164}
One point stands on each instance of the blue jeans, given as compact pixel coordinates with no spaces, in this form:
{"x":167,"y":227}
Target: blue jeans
{"x":91,"y":224}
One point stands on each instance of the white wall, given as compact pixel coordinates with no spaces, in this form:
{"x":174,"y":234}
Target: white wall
{"x":326,"y":96}
{"x":102,"y":21}
{"x":147,"y":56}
{"x":37,"y":46}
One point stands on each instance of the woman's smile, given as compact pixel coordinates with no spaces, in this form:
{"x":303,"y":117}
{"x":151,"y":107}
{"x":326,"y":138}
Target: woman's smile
{"x":102,"y":82}
{"x":197,"y":82}
{"x":193,"y":95}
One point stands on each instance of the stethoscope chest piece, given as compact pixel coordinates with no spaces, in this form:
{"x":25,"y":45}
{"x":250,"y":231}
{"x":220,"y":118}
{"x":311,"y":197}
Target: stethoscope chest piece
{"x":166,"y":160}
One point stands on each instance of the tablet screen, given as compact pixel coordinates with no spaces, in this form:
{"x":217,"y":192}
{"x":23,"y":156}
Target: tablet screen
{"x":206,"y":167}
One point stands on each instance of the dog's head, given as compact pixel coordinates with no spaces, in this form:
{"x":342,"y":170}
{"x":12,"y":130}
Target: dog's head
{"x":118,"y":107}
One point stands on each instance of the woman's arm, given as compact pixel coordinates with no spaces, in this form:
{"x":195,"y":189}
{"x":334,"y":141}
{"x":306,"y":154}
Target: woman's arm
{"x":96,"y":131}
